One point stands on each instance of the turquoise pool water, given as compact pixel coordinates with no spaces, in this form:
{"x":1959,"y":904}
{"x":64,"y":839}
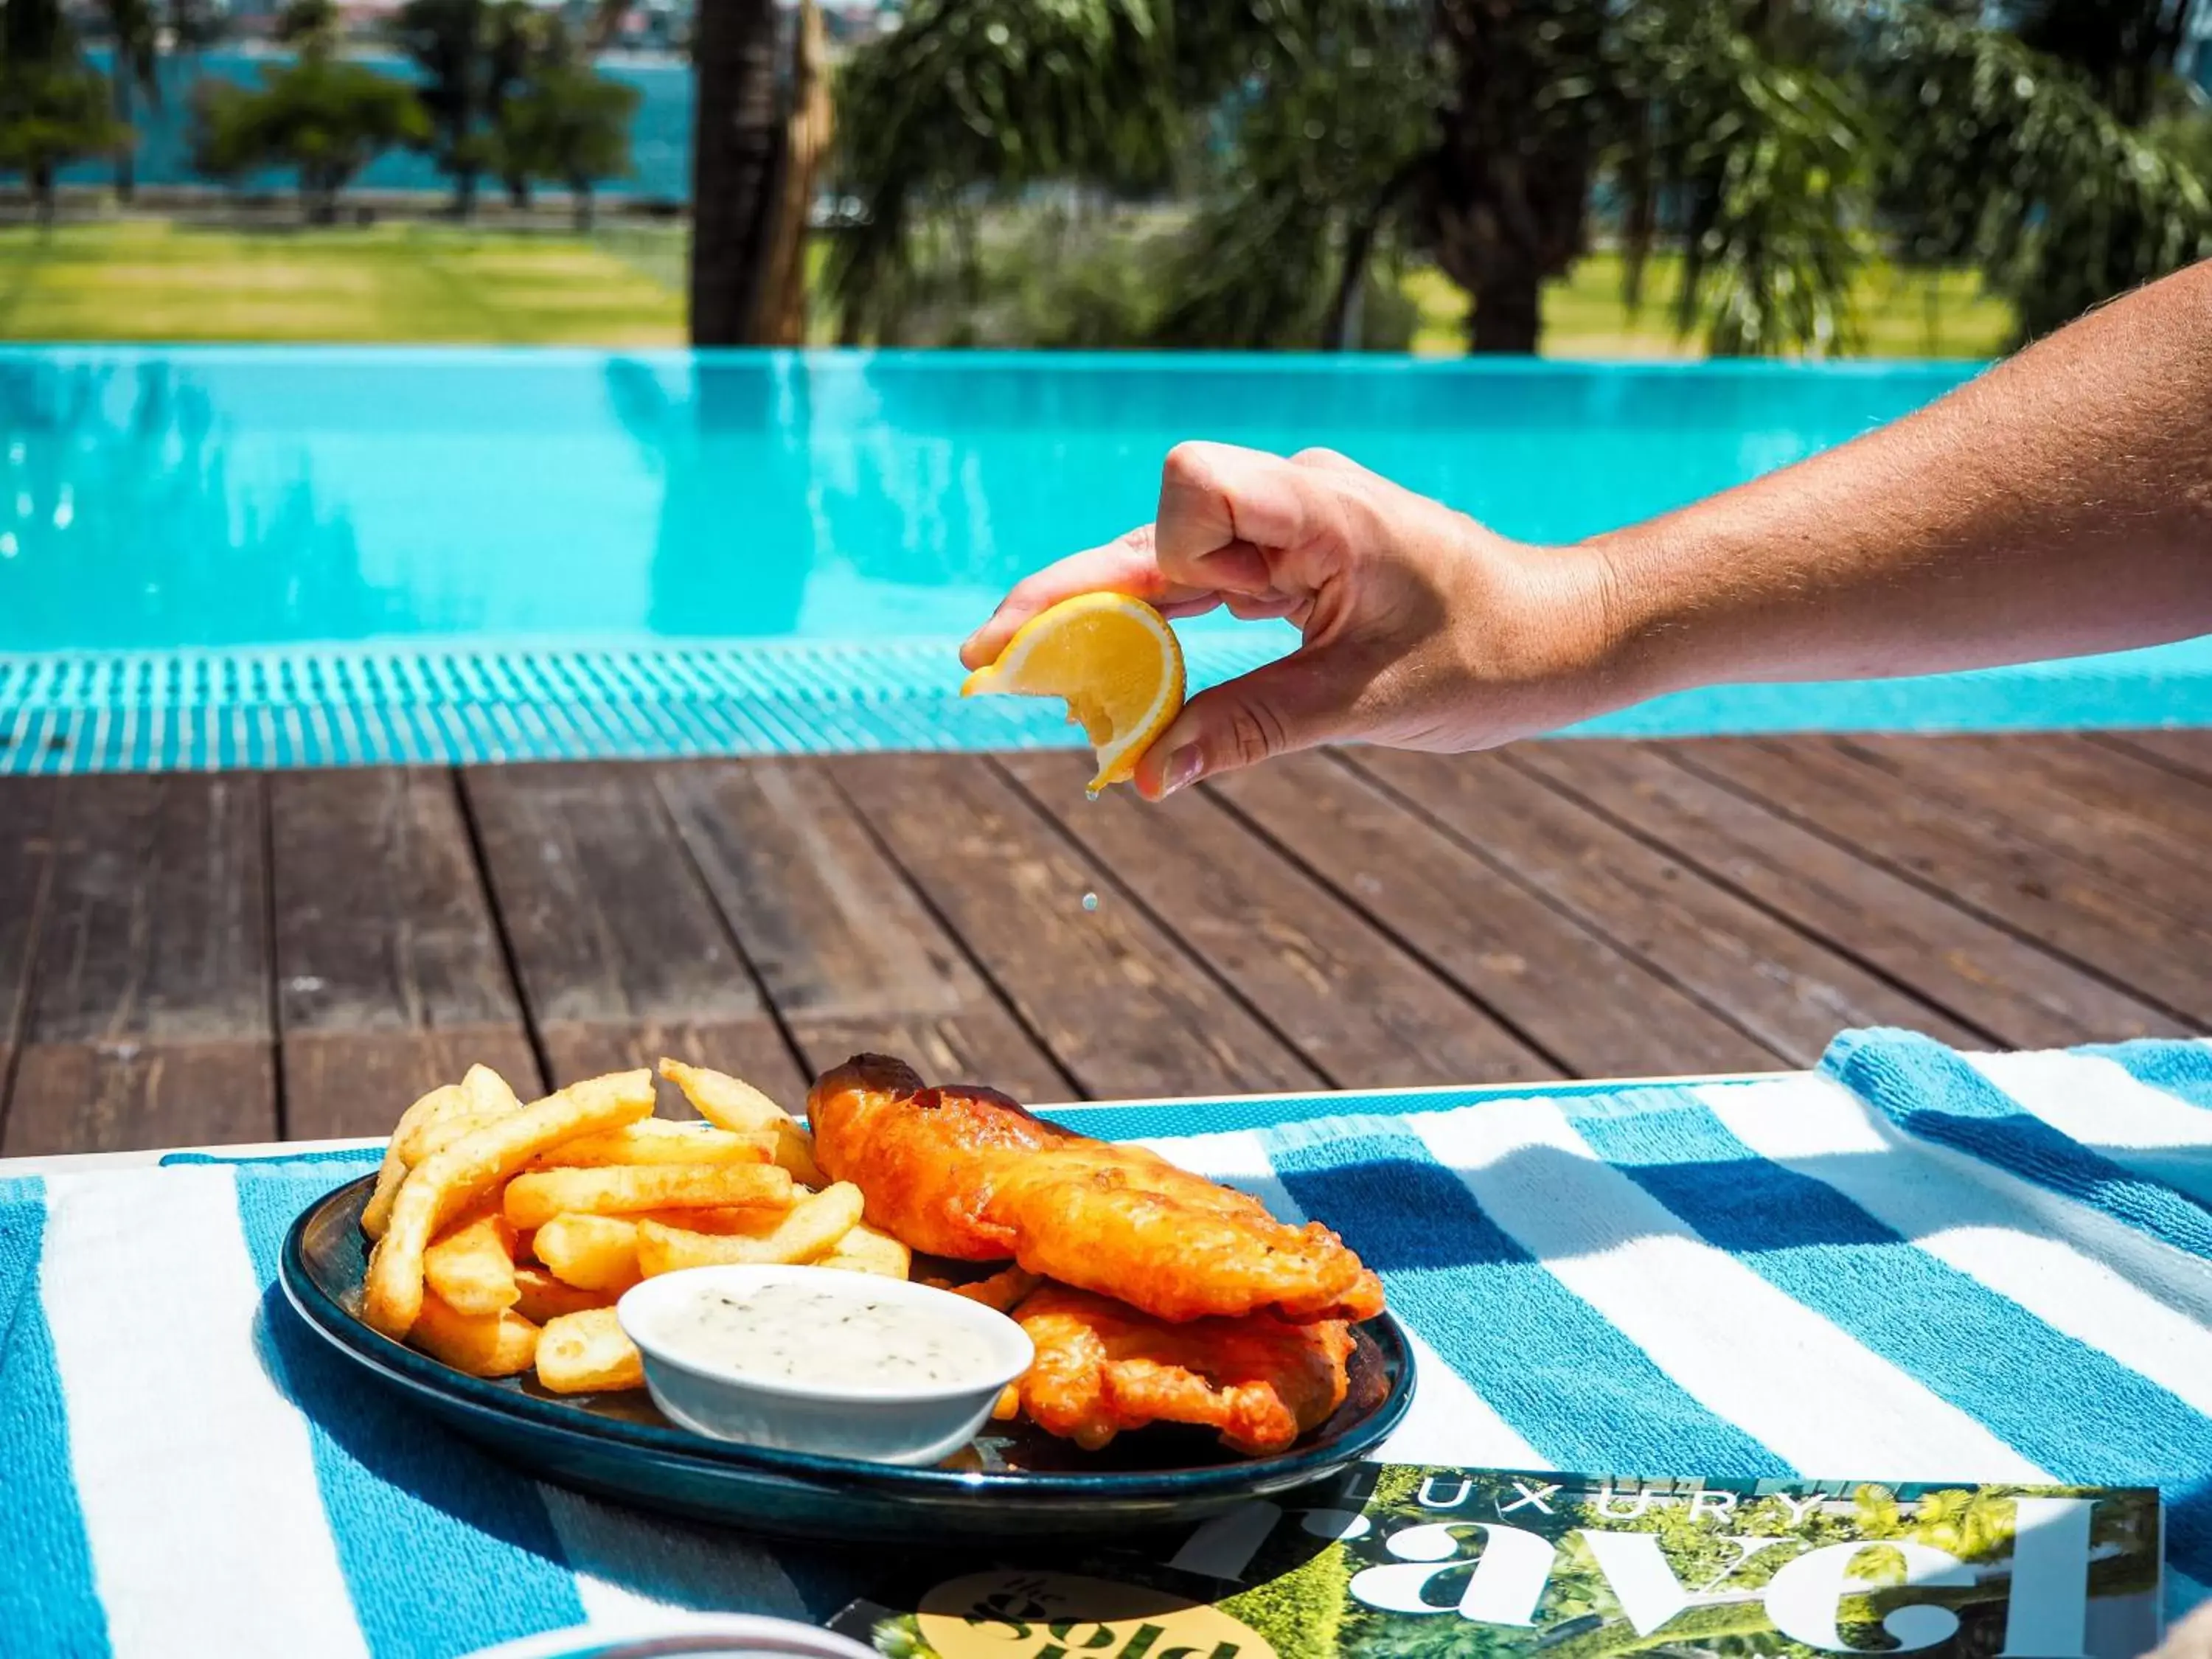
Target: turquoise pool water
{"x":219,"y":554}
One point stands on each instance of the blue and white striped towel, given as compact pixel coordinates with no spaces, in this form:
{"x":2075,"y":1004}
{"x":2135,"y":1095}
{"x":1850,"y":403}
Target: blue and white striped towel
{"x":1912,"y":1264}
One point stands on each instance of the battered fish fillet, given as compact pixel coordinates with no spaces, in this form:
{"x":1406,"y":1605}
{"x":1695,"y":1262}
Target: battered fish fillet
{"x":967,"y":1173}
{"x":1102,"y":1368}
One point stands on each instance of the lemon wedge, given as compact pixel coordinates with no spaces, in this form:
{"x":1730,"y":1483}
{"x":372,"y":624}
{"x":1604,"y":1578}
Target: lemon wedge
{"x":1113,"y":659}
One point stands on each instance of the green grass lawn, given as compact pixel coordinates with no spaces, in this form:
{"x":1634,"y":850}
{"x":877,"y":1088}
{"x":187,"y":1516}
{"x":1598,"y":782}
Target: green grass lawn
{"x":1899,"y":313}
{"x":152,"y":281}
{"x":146,"y":280}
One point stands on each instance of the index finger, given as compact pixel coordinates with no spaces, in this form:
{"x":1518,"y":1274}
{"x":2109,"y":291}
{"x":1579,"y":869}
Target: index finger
{"x":1125,"y":565}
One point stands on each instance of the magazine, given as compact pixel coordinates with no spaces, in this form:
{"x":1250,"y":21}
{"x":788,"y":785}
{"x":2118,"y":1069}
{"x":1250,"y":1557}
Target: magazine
{"x":1403,"y":1562}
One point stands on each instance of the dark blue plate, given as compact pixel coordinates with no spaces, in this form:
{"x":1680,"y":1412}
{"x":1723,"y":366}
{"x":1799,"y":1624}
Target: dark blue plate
{"x":1013,"y":1481}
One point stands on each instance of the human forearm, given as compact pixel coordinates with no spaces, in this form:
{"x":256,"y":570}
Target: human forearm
{"x":2059,"y":504}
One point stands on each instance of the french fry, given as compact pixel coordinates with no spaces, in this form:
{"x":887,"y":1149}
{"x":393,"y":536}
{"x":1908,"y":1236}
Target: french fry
{"x":437,"y":1104}
{"x":543,"y":1297}
{"x":493,"y":1345}
{"x":586,"y":1353}
{"x":448,"y":1181}
{"x":723,"y":1219}
{"x":658,"y":1141}
{"x":811,"y":1231}
{"x":590,"y":1252}
{"x":794,"y":1150}
{"x":534,"y":1199}
{"x":865,"y":1250}
{"x":489,"y":1091}
{"x":435,"y":1135}
{"x":470,"y":1267}
{"x":730,"y":1103}
{"x":1009,"y":1405}
{"x":1003,"y":1291}
{"x":725,"y":1101}
{"x":479,"y":1098}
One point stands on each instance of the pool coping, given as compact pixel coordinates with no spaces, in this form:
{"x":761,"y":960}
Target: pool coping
{"x":460,"y":702}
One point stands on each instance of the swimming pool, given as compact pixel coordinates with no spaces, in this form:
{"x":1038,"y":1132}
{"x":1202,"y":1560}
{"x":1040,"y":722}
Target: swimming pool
{"x":299,"y":556}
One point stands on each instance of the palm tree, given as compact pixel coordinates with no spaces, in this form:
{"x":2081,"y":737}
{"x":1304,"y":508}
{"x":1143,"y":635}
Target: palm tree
{"x":2125,"y":48}
{"x":35,"y":32}
{"x":1469,"y":130}
{"x":2030,"y":166}
{"x":1757,"y":135}
{"x":736,"y":143}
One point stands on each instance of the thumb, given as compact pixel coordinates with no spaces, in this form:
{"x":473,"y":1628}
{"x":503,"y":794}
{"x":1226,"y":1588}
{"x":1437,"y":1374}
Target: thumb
{"x":1292,"y":703}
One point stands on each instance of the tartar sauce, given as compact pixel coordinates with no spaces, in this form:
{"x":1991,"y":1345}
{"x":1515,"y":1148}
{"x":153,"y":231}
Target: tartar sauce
{"x":820,"y":1338}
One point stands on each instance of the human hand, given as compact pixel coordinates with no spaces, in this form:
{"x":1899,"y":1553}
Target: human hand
{"x":2190,"y":1639}
{"x":1421,"y":629}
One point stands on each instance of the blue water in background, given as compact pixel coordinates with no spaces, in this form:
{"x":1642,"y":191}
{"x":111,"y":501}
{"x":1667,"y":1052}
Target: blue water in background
{"x":239,"y":497}
{"x":225,"y":497}
{"x":660,"y":133}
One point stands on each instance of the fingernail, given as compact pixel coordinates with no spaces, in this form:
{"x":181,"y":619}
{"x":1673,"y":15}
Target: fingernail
{"x":1182,"y":767}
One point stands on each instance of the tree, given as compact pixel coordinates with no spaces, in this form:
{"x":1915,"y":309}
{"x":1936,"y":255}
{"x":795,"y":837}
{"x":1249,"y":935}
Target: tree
{"x":780,"y":308}
{"x":135,"y":29}
{"x":450,"y":43}
{"x":1760,"y":136}
{"x":196,"y":25}
{"x":52,"y":114}
{"x":524,"y":41}
{"x":35,"y":32}
{"x":322,"y":116}
{"x":2010,"y":159}
{"x":738,"y":151}
{"x":1766,"y":154}
{"x":1005,"y":95}
{"x":309,"y":26}
{"x":570,"y":125}
{"x":2124,"y":48}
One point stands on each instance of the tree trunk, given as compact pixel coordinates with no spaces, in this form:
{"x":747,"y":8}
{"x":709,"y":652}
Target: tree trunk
{"x":1505,"y":192}
{"x":1508,"y":315}
{"x":737,"y":138}
{"x":1341,"y":330}
{"x":806,"y":141}
{"x":42,"y":189}
{"x":126,"y":177}
{"x":580,"y":197}
{"x":319,"y":189}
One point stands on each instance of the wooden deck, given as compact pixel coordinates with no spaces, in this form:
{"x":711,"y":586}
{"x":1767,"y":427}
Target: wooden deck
{"x":196,"y":959}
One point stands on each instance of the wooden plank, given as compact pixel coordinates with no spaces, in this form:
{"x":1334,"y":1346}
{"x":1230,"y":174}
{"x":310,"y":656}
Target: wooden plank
{"x":622,"y":954}
{"x":1594,"y":1010}
{"x":149,"y":1017}
{"x":1789,"y":992}
{"x":1363,"y":1011}
{"x":2020,"y":995}
{"x":1123,"y":1009}
{"x":2187,"y":753}
{"x":2003,"y":875}
{"x":27,"y":815}
{"x":128,"y":1096}
{"x":358,"y":1083}
{"x":390,"y":979}
{"x":2121,"y":817}
{"x":2106,"y":773}
{"x":852,"y":960}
